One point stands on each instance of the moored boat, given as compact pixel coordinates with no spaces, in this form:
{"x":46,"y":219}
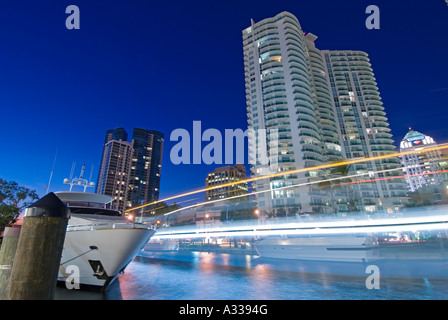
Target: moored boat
{"x":100,"y":242}
{"x":349,"y":248}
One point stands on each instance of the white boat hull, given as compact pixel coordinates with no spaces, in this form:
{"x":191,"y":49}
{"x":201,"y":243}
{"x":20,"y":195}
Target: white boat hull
{"x":343,"y":249}
{"x":99,"y":254}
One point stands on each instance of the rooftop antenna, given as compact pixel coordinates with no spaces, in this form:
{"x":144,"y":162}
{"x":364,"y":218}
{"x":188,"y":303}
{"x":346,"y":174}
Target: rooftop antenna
{"x":79,"y":181}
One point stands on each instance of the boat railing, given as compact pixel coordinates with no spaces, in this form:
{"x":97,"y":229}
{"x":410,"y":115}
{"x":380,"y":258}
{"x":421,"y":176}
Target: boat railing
{"x":108,"y":225}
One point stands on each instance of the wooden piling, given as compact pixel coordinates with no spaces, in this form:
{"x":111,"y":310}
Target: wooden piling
{"x":38,"y":255}
{"x":7,"y":253}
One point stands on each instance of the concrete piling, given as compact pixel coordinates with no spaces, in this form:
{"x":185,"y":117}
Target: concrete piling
{"x":39,"y":249}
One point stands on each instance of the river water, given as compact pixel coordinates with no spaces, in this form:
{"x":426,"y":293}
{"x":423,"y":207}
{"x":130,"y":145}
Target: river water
{"x":154,"y":275}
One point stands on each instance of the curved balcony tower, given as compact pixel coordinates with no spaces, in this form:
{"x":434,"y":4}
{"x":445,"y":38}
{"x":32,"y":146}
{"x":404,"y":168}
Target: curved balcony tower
{"x":287,"y":93}
{"x":364,"y":130}
{"x":309,"y":107}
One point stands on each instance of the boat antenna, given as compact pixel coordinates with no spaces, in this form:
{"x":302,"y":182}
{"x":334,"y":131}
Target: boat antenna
{"x":73,"y":170}
{"x":82,"y":171}
{"x":52,"y":169}
{"x":78,"y":181}
{"x":91,"y":172}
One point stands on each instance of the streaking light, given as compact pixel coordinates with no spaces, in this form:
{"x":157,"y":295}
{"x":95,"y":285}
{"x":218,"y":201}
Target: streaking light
{"x":436,"y":221}
{"x":283,"y":173}
{"x":276,"y":189}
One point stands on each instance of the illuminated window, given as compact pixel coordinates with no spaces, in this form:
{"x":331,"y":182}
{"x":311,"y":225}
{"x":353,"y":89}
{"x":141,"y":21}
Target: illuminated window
{"x":313,"y":173}
{"x":352,"y":96}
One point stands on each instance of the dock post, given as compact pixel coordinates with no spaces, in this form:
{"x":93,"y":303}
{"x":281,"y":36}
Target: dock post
{"x":39,"y":249}
{"x":7,"y":253}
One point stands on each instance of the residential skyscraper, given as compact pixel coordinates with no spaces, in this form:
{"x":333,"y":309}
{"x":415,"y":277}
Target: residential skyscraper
{"x":146,"y":166}
{"x":130,"y":171}
{"x":419,"y":164}
{"x":113,"y":176}
{"x":111,"y":134}
{"x":325,"y":107}
{"x":364,"y":129}
{"x":116,"y":134}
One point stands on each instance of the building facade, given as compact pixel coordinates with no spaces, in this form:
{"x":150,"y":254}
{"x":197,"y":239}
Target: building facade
{"x":113,"y":176}
{"x":420,"y":165}
{"x":111,"y":134}
{"x":324,"y":107}
{"x":146,"y":167}
{"x":130,"y":171}
{"x":224,"y":176}
{"x":364,"y":130}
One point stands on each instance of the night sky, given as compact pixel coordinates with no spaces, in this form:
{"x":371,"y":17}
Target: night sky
{"x":162,"y":65}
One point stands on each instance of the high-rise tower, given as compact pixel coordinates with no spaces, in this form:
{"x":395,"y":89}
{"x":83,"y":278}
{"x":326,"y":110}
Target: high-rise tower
{"x":130,"y":171}
{"x":113,"y":176}
{"x":324,"y":106}
{"x":364,"y":129}
{"x":146,"y":166}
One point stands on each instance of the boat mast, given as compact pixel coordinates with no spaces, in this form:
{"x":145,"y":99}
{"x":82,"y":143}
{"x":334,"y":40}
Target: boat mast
{"x":79,"y":181}
{"x":52,"y":169}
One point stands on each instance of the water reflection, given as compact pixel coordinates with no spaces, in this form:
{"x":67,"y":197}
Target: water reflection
{"x":202,"y":276}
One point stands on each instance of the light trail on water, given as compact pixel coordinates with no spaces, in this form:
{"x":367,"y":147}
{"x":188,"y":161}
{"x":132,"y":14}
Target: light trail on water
{"x":436,"y":219}
{"x":284,"y":173}
{"x":309,"y":183}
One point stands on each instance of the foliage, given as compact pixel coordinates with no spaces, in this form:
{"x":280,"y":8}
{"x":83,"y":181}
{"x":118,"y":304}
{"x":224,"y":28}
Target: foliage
{"x":238,"y":209}
{"x":165,"y":208}
{"x":339,"y":183}
{"x":13,"y":198}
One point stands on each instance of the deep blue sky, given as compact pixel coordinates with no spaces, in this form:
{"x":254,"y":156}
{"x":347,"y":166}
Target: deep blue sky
{"x":161,"y":65}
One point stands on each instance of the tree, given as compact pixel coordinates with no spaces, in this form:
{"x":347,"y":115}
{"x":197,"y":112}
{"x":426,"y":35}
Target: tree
{"x":238,"y":209}
{"x":13,"y":199}
{"x":165,"y":208}
{"x":333,"y":185}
